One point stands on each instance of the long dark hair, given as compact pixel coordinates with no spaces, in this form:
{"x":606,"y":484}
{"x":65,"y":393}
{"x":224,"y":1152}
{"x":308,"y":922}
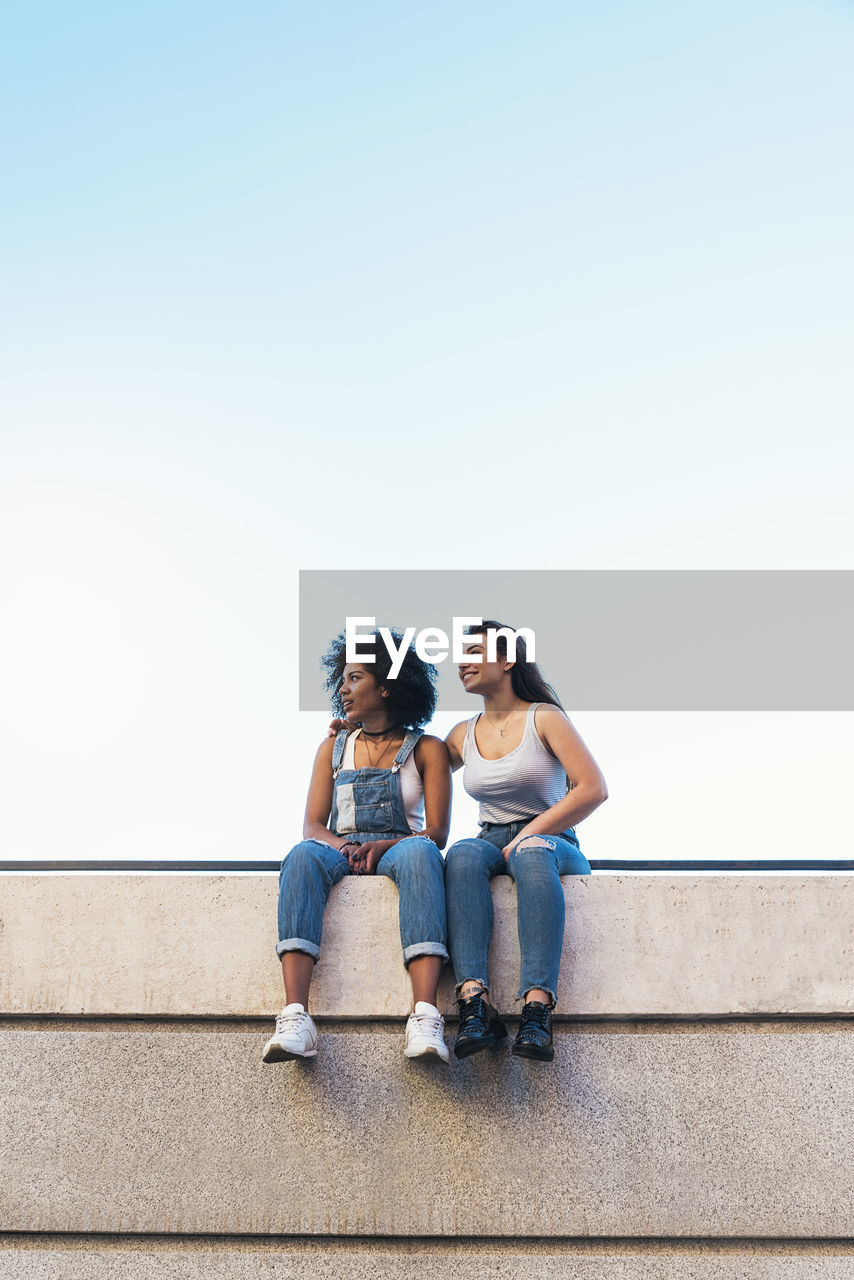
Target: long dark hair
{"x":527,"y":680}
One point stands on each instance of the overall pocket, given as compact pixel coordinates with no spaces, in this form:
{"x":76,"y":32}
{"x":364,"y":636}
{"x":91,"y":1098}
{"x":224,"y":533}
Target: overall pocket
{"x":365,"y":804}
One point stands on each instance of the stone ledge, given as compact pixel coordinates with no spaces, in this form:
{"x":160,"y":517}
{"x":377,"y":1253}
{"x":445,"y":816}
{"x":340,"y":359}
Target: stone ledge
{"x":633,"y":1136}
{"x":635,"y":946}
{"x":378,"y":1263}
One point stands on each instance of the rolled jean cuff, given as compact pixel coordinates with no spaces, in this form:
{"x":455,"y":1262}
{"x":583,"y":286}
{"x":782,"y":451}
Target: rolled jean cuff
{"x":297,"y":944}
{"x":424,"y":949}
{"x":537,"y":986}
{"x":458,"y":988}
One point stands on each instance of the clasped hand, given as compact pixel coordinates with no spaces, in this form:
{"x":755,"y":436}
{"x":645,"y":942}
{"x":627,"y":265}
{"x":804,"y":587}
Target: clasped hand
{"x":362,"y":859}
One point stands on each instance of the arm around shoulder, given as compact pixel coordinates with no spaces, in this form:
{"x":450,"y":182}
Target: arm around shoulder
{"x":454,"y":743}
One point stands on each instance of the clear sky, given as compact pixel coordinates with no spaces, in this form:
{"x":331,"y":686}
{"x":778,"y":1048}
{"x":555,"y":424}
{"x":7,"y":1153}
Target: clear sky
{"x":383,"y":285}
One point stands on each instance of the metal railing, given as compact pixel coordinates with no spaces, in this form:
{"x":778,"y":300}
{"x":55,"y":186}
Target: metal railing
{"x":596,"y":864}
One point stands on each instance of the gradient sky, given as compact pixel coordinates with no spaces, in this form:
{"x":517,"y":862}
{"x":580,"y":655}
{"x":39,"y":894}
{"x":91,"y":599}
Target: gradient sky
{"x":481,"y":285}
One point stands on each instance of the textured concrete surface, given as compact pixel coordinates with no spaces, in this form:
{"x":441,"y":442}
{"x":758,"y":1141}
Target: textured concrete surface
{"x":654,"y":1135}
{"x":635,"y":945}
{"x":379,"y":1263}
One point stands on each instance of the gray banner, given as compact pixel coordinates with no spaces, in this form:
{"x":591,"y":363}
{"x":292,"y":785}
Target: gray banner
{"x":618,"y":640}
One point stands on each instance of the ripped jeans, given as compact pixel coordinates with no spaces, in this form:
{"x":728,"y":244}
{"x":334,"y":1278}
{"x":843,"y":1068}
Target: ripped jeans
{"x":536,"y":869}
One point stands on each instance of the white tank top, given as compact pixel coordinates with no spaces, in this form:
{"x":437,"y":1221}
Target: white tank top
{"x":411,"y":786}
{"x":521,"y":784}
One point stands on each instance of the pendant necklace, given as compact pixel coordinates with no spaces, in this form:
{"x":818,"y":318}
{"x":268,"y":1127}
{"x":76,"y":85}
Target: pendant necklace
{"x":375,"y":764}
{"x":503,"y":729}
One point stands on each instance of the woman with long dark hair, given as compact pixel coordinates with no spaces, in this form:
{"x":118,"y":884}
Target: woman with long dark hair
{"x":534,"y":779}
{"x":378,"y":803}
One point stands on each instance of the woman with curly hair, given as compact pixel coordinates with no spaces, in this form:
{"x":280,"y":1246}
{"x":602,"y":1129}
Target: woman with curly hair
{"x":534,"y":779}
{"x":378,"y":803}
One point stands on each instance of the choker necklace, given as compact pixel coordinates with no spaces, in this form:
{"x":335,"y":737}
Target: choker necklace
{"x":377,"y":733}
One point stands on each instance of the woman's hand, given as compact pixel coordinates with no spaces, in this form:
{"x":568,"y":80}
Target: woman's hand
{"x":337,"y":725}
{"x":350,"y":850}
{"x":368,"y":855}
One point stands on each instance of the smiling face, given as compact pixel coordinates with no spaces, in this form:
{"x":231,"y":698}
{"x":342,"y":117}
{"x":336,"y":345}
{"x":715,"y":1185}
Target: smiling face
{"x":361,"y":697}
{"x":483,"y":677}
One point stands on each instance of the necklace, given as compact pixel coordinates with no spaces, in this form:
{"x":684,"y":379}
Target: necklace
{"x":503,"y":729}
{"x":375,"y":764}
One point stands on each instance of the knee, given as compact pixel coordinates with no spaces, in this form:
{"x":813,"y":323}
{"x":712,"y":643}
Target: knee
{"x":417,"y":855}
{"x":463,"y":859}
{"x":303,"y":857}
{"x":532,"y":844}
{"x":530,"y":855}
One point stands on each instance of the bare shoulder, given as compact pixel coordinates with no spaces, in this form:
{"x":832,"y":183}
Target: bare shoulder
{"x":554,"y":726}
{"x":548,"y":717}
{"x":565,"y":743}
{"x":324,"y":752}
{"x":454,"y":743}
{"x":430,"y":748}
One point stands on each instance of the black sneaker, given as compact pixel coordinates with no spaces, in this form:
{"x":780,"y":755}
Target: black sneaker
{"x":534,"y":1037}
{"x":480,"y":1026}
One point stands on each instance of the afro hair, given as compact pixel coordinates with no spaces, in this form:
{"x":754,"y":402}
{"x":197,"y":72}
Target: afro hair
{"x":411,"y":694}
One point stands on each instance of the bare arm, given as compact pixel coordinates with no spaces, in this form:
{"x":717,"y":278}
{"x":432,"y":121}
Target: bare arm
{"x":589,"y":788}
{"x":432,"y":759}
{"x":318,"y":805}
{"x":454,"y":743}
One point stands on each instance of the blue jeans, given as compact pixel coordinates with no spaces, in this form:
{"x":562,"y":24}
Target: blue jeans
{"x":311,"y":869}
{"x":536,"y":869}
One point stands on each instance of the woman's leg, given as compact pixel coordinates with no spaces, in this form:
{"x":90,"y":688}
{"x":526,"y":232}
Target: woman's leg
{"x":297,"y":973}
{"x":424,"y":974}
{"x":469,"y":867}
{"x":536,"y":864}
{"x":307,"y":875}
{"x":415,"y":865}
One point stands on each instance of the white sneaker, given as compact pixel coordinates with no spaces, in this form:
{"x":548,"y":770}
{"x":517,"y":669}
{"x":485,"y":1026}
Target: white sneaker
{"x":425,"y":1031}
{"x":296,"y":1036}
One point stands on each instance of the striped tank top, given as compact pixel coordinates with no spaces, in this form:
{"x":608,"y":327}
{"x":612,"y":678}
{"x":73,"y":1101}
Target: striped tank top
{"x":519,"y":785}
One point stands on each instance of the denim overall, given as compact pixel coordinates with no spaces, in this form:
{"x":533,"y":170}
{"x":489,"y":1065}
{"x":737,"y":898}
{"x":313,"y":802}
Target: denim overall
{"x":367,"y":804}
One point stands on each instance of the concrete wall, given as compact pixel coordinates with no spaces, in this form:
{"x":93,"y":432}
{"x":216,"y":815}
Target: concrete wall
{"x":697,"y":1119}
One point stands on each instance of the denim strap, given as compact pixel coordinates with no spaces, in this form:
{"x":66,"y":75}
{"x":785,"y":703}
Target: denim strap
{"x":338,"y":750}
{"x":406,"y":748}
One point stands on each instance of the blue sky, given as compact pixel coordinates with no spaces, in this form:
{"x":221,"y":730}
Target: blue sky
{"x":474,"y":286}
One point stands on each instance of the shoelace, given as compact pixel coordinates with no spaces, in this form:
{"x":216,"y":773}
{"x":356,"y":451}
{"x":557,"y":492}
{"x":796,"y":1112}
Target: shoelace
{"x":288,"y":1022}
{"x":472,"y":1011}
{"x":426,"y":1020}
{"x":535,"y":1020}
